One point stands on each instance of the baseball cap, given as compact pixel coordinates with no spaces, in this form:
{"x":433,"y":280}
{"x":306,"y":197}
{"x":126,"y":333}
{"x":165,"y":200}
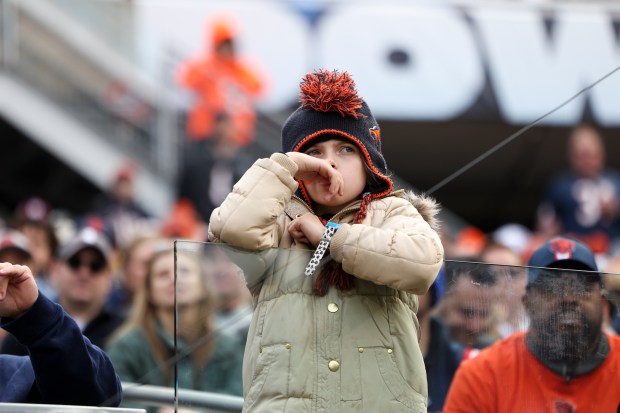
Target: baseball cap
{"x":561,"y":252}
{"x":86,"y":238}
{"x":16,"y":241}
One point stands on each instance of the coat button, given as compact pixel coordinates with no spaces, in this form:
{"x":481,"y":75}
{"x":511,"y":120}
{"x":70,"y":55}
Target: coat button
{"x":390,"y":351}
{"x":333,"y":365}
{"x":361,"y":349}
{"x":332,"y":307}
{"x":288,"y":346}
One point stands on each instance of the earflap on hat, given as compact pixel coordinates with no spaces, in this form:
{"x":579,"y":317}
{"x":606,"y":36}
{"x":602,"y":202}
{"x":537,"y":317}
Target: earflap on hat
{"x":330,"y":105}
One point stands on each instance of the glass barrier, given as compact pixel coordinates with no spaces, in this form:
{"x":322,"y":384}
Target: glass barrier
{"x":214,"y":275}
{"x":554,"y":319}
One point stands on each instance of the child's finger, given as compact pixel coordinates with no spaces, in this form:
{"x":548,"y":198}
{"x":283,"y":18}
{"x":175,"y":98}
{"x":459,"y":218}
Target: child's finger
{"x":336,"y":183}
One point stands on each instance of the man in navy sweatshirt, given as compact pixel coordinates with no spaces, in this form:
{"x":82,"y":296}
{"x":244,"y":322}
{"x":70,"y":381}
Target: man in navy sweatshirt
{"x":63,"y":366}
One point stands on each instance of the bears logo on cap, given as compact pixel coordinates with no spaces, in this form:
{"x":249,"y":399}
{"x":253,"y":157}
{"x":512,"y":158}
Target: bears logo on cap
{"x":562,"y":248}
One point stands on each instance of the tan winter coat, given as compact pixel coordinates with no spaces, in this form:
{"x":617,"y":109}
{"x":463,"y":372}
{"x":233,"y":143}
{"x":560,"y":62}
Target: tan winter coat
{"x":353,"y":351}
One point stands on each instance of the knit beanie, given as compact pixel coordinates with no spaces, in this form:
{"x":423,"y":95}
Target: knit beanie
{"x":330,"y":105}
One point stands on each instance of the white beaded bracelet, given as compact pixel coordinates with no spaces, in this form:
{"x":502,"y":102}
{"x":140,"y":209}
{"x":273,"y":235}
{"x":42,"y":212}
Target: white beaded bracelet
{"x":330,"y":230}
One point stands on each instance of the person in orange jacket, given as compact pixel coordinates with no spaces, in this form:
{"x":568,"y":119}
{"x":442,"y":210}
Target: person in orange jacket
{"x":223,"y":85}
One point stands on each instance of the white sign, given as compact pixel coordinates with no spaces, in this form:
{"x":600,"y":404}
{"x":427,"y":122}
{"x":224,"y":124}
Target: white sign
{"x":414,"y":61}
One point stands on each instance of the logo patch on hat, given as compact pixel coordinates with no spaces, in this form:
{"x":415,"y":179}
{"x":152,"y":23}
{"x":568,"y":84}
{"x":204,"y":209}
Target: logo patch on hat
{"x":562,"y":249}
{"x":375,"y":132}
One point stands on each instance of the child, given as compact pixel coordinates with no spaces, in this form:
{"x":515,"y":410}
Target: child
{"x":344,"y":338}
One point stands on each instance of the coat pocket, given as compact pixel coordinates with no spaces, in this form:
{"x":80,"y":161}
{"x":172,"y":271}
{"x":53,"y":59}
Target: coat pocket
{"x":396,"y":383}
{"x":383,"y":387}
{"x":270,"y":376}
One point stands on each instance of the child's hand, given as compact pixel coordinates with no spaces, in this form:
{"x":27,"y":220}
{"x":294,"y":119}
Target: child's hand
{"x":310,"y":168}
{"x":307,"y":229}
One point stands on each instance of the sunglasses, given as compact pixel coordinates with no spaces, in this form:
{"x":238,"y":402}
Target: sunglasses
{"x":94,"y":266}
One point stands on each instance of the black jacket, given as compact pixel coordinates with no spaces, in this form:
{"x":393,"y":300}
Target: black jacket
{"x":97,"y":331}
{"x":63,"y":366}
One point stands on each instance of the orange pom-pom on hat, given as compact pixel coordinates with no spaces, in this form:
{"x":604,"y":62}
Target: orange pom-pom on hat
{"x":326,"y":91}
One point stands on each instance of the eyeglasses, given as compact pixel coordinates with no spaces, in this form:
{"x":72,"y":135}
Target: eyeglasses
{"x":94,"y":266}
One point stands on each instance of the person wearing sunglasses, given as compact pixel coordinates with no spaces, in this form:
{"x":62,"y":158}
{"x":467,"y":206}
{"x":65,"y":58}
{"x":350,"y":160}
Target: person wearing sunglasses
{"x":62,"y":367}
{"x":83,"y":280}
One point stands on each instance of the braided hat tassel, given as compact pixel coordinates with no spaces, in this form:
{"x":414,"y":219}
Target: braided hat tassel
{"x":332,"y":272}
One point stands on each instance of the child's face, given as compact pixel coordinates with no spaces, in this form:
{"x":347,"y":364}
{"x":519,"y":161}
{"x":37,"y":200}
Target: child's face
{"x":347,"y":159}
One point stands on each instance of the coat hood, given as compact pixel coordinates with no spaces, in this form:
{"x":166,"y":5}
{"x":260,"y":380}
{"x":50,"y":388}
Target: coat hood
{"x":426,"y":206}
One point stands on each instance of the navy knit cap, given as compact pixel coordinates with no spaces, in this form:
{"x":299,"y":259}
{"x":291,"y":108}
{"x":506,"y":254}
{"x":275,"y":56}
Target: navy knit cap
{"x":330,"y":105}
{"x":561,"y":252}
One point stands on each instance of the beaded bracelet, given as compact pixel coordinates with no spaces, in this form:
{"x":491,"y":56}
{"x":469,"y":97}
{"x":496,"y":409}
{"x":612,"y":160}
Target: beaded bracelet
{"x":330,"y":230}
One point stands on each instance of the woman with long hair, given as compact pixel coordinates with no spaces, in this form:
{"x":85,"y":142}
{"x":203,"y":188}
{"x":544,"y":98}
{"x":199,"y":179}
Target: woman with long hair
{"x":143,"y":349}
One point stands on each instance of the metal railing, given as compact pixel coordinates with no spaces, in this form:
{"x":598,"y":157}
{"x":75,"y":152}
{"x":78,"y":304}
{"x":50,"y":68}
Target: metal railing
{"x":164,"y":396}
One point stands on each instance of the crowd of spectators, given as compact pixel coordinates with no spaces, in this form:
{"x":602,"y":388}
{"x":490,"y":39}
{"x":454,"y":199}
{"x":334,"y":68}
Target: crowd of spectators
{"x":120,"y":291}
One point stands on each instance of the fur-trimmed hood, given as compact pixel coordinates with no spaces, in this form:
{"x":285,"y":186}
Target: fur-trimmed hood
{"x":426,"y":206}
